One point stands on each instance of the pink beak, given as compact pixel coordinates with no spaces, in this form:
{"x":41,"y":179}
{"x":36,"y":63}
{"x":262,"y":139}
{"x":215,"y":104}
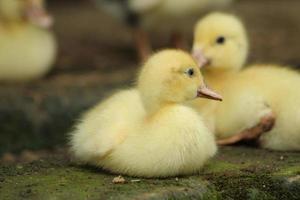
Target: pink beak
{"x":38,"y":15}
{"x":205,"y":92}
{"x":198,"y":55}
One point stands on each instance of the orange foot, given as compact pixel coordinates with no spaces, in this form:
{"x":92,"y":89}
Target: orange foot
{"x":266,"y":124}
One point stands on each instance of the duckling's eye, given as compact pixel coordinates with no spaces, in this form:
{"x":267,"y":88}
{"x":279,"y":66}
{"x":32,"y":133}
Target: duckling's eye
{"x":190,"y":72}
{"x":220,"y":40}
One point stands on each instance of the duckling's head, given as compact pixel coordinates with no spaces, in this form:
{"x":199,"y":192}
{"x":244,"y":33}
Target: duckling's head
{"x":172,"y":76}
{"x":32,"y":11}
{"x":220,"y":42}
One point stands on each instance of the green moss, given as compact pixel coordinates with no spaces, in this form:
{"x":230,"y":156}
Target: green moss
{"x":255,"y":194}
{"x":236,"y":173}
{"x":288,"y":171}
{"x":221,"y":166}
{"x":261,"y":184}
{"x":71,"y":182}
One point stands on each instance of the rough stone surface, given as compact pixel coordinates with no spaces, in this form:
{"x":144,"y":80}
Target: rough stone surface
{"x":236,"y":173}
{"x":40,"y":114}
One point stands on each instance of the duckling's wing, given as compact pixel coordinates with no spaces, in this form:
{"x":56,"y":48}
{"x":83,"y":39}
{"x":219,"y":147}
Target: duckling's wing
{"x":106,"y":126}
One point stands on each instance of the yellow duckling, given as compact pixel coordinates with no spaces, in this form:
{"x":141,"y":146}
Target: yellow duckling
{"x":27,"y":47}
{"x":148,"y":131}
{"x":258,"y":92}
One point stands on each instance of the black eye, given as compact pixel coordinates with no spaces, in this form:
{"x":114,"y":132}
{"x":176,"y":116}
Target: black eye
{"x":190,"y":72}
{"x":220,"y":40}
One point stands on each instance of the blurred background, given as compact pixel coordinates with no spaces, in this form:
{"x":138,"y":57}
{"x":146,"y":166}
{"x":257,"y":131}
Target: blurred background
{"x":96,"y":54}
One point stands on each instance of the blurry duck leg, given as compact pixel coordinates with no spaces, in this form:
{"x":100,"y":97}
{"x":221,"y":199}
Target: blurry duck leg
{"x":177,"y":41}
{"x":266,"y":124}
{"x":142,"y":44}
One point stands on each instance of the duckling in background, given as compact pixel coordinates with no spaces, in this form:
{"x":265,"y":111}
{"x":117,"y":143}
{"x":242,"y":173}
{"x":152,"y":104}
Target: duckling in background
{"x":27,"y":47}
{"x":166,"y":16}
{"x":264,"y":91}
{"x":147,"y":131}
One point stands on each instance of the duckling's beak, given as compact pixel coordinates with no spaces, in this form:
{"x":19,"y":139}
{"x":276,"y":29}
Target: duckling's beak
{"x":205,"y":92}
{"x":37,"y":15}
{"x":199,"y":56}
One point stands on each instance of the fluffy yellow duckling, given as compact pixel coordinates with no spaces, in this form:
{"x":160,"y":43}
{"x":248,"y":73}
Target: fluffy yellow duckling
{"x":27,"y":47}
{"x":147,"y":131}
{"x":251,"y":94}
{"x":172,"y":17}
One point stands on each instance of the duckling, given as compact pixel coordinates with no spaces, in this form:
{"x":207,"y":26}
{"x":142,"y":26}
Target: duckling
{"x":147,"y":131}
{"x":254,"y":95}
{"x":27,"y":47}
{"x":163,"y":16}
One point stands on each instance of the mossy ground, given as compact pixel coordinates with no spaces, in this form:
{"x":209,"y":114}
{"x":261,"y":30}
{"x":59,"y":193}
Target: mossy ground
{"x":236,"y":173}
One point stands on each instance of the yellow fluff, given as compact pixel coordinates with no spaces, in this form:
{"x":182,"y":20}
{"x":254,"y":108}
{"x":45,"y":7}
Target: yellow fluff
{"x":27,"y":48}
{"x":147,"y":131}
{"x":221,"y":43}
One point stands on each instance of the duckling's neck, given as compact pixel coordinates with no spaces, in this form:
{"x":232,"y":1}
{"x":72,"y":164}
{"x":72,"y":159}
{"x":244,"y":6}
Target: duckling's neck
{"x":218,"y":71}
{"x":154,"y":105}
{"x":215,"y":77}
{"x":157,"y":110}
